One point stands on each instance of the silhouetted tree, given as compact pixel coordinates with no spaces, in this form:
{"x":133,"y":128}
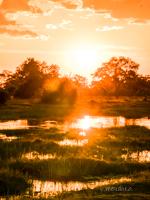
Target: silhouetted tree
{"x":139,"y":85}
{"x":80,"y":83}
{"x":30,"y":76}
{"x":4,"y":76}
{"x":117,"y":71}
{"x":4,"y":96}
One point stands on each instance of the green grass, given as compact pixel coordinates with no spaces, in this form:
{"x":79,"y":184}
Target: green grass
{"x":25,"y":109}
{"x":74,"y":168}
{"x":106,"y":143}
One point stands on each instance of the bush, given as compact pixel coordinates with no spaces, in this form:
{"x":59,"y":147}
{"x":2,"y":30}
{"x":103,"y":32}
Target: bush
{"x":59,"y":97}
{"x":4,"y":96}
{"x":65,"y":93}
{"x":11,"y":89}
{"x":142,"y":92}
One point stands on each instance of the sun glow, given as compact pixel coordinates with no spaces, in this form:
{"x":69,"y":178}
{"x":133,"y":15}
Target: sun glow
{"x":85,"y":122}
{"x":86,"y":59}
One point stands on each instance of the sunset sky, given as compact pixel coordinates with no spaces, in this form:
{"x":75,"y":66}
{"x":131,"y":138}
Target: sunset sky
{"x":77,"y":35}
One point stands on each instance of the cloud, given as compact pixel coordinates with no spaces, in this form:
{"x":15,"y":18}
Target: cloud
{"x":140,"y":22}
{"x":51,"y":26}
{"x":137,"y":9}
{"x":64,"y":22}
{"x":4,"y":21}
{"x":27,"y":34}
{"x":16,"y":33}
{"x":13,"y":6}
{"x":67,"y":4}
{"x":48,"y":12}
{"x":106,"y":28}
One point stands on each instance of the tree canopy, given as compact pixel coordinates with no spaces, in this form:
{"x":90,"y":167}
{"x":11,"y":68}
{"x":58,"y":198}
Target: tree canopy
{"x":117,"y":71}
{"x":31,"y":76}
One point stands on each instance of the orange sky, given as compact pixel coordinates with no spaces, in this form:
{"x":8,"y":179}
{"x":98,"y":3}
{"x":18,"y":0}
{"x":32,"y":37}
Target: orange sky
{"x":63,"y":31}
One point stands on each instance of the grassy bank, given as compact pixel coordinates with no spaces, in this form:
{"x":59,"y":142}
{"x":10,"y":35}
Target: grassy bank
{"x":26,"y":109}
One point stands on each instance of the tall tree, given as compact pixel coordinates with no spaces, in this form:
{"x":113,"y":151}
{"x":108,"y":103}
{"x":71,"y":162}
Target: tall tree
{"x":117,"y":71}
{"x":31,"y":76}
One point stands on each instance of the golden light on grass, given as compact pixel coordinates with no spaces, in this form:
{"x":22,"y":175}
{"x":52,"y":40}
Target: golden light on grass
{"x":86,"y":59}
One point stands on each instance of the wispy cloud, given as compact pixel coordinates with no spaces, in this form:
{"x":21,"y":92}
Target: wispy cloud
{"x":106,"y":28}
{"x":139,"y":22}
{"x":51,"y":26}
{"x":64,"y":23}
{"x":68,"y":4}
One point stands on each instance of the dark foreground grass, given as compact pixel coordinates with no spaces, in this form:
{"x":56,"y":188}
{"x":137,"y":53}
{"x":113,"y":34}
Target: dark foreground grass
{"x":12,"y":184}
{"x":74,"y":168}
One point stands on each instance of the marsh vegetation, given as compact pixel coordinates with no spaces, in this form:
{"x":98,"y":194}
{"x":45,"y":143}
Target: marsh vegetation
{"x":34,"y":151}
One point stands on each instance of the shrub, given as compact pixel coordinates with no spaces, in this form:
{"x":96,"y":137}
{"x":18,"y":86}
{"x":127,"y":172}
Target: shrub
{"x":11,"y":89}
{"x":65,"y":94}
{"x":4,"y":96}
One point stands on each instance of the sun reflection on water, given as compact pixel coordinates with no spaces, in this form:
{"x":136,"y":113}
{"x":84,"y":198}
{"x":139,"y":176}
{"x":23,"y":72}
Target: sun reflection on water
{"x":85,"y":123}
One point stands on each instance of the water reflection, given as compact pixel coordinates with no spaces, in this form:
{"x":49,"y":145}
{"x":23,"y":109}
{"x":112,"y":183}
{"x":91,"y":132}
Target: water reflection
{"x":15,"y":124}
{"x":85,"y":123}
{"x":143,"y":156}
{"x":48,"y":188}
{"x":4,"y":137}
{"x":36,"y":155}
{"x":80,"y":123}
{"x":73,"y":142}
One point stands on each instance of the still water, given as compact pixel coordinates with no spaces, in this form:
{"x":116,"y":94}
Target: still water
{"x":9,"y":139}
{"x":139,"y":156}
{"x":81,"y":123}
{"x":49,"y":188}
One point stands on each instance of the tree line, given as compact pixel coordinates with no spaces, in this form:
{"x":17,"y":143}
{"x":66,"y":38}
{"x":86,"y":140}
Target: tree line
{"x":35,"y":79}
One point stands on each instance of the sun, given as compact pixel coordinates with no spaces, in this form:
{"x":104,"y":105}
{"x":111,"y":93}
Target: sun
{"x":86,"y":59}
{"x":85,"y":123}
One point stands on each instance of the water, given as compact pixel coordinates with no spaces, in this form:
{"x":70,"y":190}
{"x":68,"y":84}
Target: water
{"x":4,"y":137}
{"x":140,"y":156}
{"x":36,"y":155}
{"x":81,"y":123}
{"x":50,"y":188}
{"x":73,"y":142}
